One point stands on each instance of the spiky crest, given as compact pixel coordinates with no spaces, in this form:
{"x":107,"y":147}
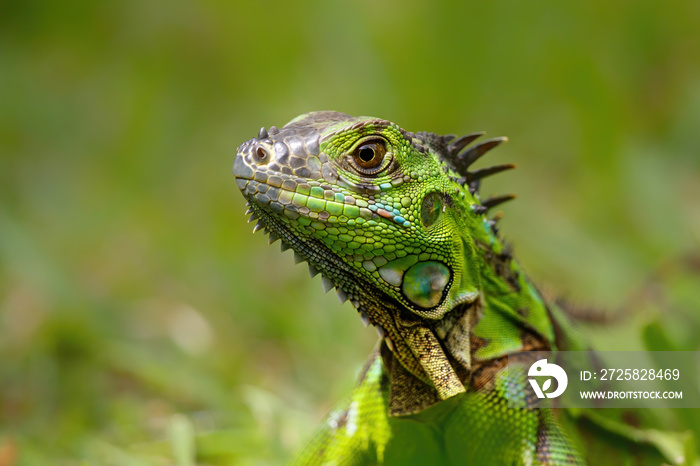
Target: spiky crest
{"x":458,"y":157}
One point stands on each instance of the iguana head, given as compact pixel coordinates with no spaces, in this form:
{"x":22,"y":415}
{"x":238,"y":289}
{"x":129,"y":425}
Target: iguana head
{"x":392,"y":219}
{"x":384,"y":201}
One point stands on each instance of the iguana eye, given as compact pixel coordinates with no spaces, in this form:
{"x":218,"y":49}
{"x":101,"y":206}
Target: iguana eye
{"x":369,"y":155}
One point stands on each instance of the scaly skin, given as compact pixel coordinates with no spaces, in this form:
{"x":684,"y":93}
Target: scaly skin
{"x":394,"y":221}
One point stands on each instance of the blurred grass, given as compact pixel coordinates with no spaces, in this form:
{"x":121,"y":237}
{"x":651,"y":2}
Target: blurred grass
{"x":137,"y":310}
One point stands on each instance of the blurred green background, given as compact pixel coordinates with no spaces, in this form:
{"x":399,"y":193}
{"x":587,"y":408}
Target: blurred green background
{"x":139,"y":316}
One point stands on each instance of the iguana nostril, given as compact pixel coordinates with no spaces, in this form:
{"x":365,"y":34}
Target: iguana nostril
{"x":261,"y":154}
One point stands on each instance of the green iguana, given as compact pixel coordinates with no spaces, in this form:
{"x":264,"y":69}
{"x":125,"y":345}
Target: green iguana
{"x":394,"y":221}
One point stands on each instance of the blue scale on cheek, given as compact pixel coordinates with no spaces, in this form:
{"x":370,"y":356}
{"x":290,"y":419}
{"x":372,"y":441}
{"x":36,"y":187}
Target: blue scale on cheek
{"x":398,"y":217}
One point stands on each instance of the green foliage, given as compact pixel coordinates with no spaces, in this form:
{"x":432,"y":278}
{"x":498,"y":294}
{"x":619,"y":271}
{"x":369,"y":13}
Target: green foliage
{"x":141,"y":321}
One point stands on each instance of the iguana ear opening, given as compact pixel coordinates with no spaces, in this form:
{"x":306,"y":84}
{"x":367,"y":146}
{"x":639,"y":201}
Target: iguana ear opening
{"x":431,"y":209}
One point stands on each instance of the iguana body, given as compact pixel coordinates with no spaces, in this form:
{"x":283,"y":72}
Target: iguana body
{"x":394,"y":221}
